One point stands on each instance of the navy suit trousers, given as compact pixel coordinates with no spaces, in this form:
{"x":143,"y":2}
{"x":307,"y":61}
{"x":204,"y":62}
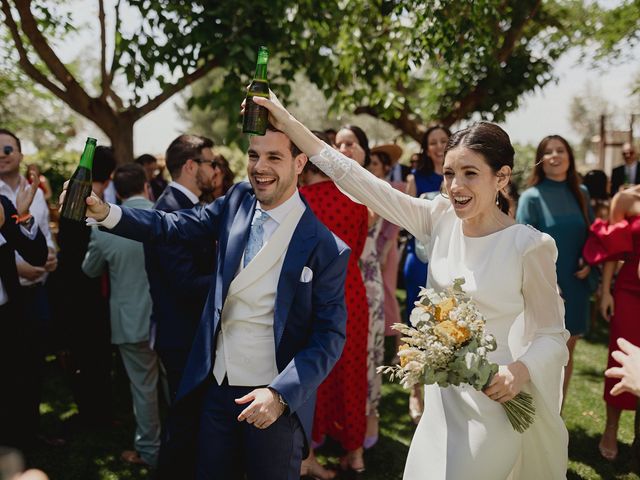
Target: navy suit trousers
{"x":230,"y":450}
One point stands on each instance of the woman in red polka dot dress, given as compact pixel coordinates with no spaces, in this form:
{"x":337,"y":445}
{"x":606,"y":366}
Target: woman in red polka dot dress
{"x":341,"y":398}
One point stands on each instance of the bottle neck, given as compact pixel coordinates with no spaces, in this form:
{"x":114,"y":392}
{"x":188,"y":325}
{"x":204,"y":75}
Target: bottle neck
{"x":261,"y":72}
{"x":86,"y":160}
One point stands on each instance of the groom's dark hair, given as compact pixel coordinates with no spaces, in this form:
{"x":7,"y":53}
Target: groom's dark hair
{"x":295,"y":151}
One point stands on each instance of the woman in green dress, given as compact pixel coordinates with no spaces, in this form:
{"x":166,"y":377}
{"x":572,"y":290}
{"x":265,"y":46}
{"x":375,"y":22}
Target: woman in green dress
{"x":558,"y":204}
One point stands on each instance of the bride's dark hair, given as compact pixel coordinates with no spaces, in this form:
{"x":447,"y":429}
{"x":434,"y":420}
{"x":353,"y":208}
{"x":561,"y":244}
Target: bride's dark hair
{"x":490,"y":141}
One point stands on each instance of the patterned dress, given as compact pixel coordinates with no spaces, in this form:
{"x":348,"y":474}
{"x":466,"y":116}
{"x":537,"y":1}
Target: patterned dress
{"x":342,"y":397}
{"x":372,"y":275}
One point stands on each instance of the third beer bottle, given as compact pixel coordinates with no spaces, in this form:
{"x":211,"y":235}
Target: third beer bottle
{"x":79,"y":188}
{"x":256,"y":116}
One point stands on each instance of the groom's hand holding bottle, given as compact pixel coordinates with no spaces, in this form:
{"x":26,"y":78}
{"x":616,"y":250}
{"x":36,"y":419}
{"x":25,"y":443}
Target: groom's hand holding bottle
{"x":96,"y":208}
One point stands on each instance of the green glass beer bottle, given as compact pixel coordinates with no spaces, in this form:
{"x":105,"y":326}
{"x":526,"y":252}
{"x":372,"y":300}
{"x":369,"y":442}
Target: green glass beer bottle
{"x":79,"y":188}
{"x":256,"y":116}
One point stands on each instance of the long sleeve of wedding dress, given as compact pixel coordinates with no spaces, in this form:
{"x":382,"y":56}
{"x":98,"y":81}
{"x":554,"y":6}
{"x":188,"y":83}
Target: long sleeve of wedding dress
{"x":416,"y":215}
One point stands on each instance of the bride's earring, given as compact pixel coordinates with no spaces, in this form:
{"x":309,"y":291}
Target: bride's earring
{"x":443,"y":192}
{"x":498,"y":198}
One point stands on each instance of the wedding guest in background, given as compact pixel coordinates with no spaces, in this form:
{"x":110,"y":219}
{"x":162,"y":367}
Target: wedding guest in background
{"x":618,"y":239}
{"x":556,"y":203}
{"x":381,"y":161}
{"x":330,"y":134}
{"x":33,"y":278}
{"x":180,"y":275}
{"x":224,"y":180}
{"x":85,"y":329}
{"x":43,"y":182}
{"x":341,"y":399}
{"x":130,"y":306}
{"x":19,"y":361}
{"x":425,"y":180}
{"x":153,"y":175}
{"x":597,"y":184}
{"x":628,"y":173}
{"x":379,"y":267}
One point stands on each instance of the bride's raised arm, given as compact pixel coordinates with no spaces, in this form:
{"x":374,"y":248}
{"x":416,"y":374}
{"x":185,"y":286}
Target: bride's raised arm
{"x":413,"y":214}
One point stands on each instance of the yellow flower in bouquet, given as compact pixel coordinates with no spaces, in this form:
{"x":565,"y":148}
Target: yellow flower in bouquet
{"x":446,"y":344}
{"x":452,"y":332}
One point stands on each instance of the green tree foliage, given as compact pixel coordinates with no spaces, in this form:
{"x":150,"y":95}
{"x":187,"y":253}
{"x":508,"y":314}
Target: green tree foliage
{"x":616,"y":30}
{"x":412,"y":63}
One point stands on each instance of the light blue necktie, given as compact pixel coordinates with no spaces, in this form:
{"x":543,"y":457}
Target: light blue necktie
{"x":255,"y":236}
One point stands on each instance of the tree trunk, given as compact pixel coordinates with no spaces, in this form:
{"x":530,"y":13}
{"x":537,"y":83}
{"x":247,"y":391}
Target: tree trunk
{"x":121,"y":135}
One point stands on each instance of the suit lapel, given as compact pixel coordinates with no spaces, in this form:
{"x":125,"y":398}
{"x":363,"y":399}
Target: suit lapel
{"x":236,"y":241}
{"x":302,"y":243}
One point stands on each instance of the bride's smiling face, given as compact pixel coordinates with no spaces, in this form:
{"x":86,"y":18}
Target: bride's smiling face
{"x":471,"y":183}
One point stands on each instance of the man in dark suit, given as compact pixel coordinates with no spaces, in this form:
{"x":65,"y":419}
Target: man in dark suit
{"x":280,"y":278}
{"x":180,"y":273}
{"x":627,"y":174}
{"x":179,"y":279}
{"x":18,"y":360}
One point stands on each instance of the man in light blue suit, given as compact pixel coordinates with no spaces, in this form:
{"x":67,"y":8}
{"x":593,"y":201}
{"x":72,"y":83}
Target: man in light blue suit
{"x":274,"y":322}
{"x":130,"y":305}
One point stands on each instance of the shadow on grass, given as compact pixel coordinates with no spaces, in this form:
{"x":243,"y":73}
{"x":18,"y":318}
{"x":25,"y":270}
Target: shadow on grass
{"x":583,"y":449}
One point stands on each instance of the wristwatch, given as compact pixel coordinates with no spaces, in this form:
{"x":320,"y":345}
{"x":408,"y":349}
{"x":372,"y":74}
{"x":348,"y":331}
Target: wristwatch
{"x":284,"y":404}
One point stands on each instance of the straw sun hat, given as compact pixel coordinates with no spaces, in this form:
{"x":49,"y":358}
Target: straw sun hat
{"x":394,"y":151}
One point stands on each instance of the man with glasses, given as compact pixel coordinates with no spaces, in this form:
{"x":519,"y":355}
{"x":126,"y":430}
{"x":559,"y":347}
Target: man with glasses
{"x":627,"y":174}
{"x":179,"y":278}
{"x":32,"y":277}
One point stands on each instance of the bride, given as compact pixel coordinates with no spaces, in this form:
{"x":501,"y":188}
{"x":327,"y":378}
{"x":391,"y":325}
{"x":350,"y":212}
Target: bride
{"x":509,"y":270}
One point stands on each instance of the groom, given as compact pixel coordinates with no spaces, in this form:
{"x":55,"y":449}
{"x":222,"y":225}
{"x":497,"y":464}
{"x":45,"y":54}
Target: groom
{"x":274,"y":322}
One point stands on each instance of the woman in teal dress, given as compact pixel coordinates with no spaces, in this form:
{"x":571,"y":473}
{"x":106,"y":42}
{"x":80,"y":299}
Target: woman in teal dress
{"x":556,"y":203}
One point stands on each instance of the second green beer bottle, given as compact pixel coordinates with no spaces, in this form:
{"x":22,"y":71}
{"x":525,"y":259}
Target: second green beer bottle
{"x":255,"y":116}
{"x":79,"y":188}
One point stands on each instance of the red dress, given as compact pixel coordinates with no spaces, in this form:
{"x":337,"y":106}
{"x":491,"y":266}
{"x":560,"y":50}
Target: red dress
{"x":620,"y":241}
{"x":341,"y":399}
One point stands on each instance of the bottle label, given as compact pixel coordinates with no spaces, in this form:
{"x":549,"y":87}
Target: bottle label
{"x":255,"y":117}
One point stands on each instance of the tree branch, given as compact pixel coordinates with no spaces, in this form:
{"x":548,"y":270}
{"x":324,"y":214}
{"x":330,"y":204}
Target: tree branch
{"x":116,"y":54}
{"x":28,"y":67}
{"x":49,"y":57}
{"x":472,"y":99}
{"x":172,"y":89}
{"x":103,"y":50}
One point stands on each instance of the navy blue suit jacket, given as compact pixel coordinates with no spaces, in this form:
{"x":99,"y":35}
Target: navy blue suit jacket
{"x":179,"y":275}
{"x":309,"y":318}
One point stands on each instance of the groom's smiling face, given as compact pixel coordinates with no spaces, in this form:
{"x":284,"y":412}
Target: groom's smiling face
{"x":273,"y":169}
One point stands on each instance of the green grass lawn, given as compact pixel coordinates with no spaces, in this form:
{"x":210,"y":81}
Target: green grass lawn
{"x":95,"y":455}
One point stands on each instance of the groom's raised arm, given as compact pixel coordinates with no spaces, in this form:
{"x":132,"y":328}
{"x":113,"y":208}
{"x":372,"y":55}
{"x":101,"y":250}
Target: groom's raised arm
{"x":310,"y":366}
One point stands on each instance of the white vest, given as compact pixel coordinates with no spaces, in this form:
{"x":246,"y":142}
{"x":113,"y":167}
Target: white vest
{"x":245,"y":348}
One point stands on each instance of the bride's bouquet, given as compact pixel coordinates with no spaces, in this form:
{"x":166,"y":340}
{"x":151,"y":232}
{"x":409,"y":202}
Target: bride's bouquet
{"x":447,"y":345}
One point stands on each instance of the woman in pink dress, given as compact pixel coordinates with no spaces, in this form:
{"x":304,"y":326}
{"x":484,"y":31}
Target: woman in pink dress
{"x":611,"y":242}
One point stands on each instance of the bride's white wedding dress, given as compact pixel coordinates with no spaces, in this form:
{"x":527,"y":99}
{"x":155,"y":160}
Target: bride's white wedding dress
{"x":511,"y":276}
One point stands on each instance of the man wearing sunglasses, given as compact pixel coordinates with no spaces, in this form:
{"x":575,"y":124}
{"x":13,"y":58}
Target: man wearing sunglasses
{"x":179,"y":278}
{"x":627,"y":174}
{"x":32,"y":277}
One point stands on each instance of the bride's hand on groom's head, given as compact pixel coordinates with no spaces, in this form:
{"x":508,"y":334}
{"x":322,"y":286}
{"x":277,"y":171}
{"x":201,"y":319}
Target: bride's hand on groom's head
{"x":508,"y":382}
{"x":278,"y":115}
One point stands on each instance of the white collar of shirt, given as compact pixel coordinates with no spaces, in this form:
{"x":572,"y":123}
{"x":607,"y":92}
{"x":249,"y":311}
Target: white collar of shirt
{"x":278,"y":214}
{"x":190,"y":195}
